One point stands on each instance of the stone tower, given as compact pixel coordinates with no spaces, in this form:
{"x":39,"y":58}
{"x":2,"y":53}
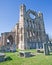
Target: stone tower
{"x":22,"y":40}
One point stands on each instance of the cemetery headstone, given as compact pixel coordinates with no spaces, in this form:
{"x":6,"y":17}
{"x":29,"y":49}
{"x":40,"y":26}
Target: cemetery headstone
{"x":2,"y":57}
{"x":46,"y":49}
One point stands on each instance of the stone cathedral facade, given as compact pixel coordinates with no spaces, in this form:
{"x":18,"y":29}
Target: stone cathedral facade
{"x":28,"y":33}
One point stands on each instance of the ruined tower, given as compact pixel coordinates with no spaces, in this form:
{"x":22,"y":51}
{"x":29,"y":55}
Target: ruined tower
{"x":22,"y":33}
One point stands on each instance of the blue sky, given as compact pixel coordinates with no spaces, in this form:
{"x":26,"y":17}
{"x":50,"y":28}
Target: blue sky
{"x":9,"y":13}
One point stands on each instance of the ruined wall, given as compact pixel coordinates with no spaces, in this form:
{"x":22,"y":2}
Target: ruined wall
{"x":4,"y":37}
{"x":17,"y":35}
{"x":31,"y":31}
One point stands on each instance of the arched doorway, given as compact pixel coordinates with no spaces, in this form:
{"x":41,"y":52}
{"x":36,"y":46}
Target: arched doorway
{"x":9,"y":40}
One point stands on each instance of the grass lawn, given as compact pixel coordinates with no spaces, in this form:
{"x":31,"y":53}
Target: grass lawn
{"x":38,"y":59}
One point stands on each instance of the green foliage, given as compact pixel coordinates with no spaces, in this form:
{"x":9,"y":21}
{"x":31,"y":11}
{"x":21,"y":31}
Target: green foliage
{"x":38,"y":59}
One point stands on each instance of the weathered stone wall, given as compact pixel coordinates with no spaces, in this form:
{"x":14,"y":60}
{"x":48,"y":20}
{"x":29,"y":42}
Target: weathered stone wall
{"x":17,"y":35}
{"x":4,"y":37}
{"x":22,"y":40}
{"x":31,"y":31}
{"x":28,"y":32}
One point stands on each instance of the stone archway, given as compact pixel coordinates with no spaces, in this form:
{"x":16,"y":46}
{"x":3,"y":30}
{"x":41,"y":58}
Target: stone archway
{"x":10,"y":40}
{"x":8,"y":37}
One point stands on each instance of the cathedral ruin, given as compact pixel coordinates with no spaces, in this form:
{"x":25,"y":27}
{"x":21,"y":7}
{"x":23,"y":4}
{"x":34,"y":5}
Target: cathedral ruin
{"x":28,"y":33}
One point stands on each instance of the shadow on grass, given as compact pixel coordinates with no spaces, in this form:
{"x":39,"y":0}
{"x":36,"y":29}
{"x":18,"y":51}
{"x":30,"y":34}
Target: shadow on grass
{"x":32,"y":54}
{"x":8,"y":58}
{"x":50,"y":54}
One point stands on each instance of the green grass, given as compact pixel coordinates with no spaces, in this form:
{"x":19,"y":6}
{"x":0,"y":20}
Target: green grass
{"x":38,"y":59}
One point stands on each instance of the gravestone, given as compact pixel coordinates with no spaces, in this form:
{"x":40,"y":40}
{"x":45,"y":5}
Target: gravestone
{"x":46,"y":49}
{"x":2,"y":57}
{"x":50,"y":48}
{"x":24,"y":54}
{"x":40,"y":50}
